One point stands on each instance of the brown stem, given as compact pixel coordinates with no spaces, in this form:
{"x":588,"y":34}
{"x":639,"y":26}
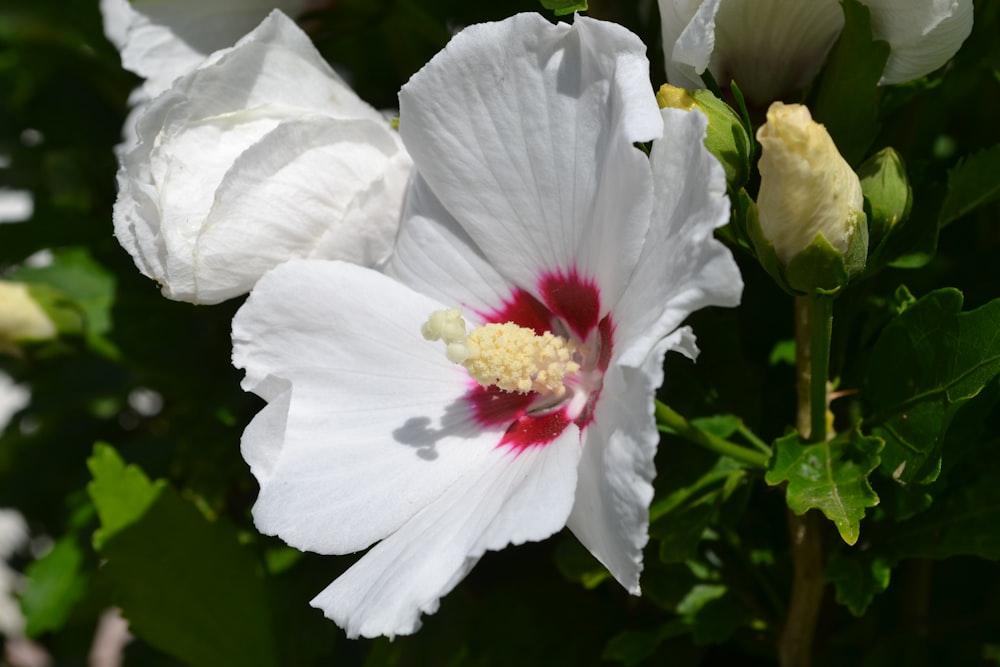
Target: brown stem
{"x":804,"y":535}
{"x":804,"y":532}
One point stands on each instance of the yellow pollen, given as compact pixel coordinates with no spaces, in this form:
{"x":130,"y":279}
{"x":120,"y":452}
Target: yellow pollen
{"x":508,"y":356}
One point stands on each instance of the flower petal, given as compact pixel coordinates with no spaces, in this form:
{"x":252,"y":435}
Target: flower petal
{"x":525,"y":132}
{"x":508,"y":499}
{"x":366,"y":419}
{"x":190,"y":137}
{"x":688,"y":39}
{"x":320,"y":188}
{"x":923,"y":34}
{"x":434,"y":256}
{"x":769,"y":47}
{"x":682,"y":268}
{"x":161,"y":40}
{"x":611,"y":513}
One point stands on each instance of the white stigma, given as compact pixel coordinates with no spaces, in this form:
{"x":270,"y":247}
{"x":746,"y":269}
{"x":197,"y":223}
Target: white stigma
{"x":508,"y":356}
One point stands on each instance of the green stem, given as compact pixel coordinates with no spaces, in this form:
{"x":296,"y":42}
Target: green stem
{"x":752,"y":438}
{"x":821,"y":323}
{"x":667,"y":417}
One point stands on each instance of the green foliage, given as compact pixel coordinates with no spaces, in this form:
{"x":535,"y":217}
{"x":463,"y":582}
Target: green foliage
{"x":858,"y":578}
{"x":971,"y":183}
{"x":829,"y":476}
{"x":211,"y":602}
{"x":564,"y":7}
{"x":928,"y":362}
{"x":846,"y":99}
{"x":57,"y":581}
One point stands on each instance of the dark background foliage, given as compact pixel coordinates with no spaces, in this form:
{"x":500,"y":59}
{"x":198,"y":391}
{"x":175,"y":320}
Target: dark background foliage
{"x":156,"y":521}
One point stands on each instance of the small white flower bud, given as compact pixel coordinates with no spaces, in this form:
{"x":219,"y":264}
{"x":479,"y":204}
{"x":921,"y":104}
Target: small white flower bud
{"x":807,"y":189}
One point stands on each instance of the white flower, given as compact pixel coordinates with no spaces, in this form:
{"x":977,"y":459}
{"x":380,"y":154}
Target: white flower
{"x":161,"y":40}
{"x":261,"y":154}
{"x":774,"y":47}
{"x":532,"y":208}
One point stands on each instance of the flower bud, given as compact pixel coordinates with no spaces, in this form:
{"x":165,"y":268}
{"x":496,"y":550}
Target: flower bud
{"x":887,"y":189}
{"x":21,"y":318}
{"x":725,"y":138}
{"x":810,"y":205}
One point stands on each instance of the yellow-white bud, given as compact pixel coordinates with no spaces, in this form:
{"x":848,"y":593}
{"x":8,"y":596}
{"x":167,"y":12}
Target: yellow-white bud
{"x":21,"y":318}
{"x":806,"y":187}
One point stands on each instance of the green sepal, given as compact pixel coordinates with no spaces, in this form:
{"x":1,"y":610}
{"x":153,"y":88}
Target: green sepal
{"x":829,"y":476}
{"x":726,"y":136}
{"x":763,"y":248}
{"x":819,"y":267}
{"x":888,"y":196}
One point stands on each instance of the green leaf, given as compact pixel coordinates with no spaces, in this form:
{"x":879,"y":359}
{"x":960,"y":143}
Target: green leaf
{"x":927,"y":363}
{"x":563,"y":7}
{"x":122,"y":494}
{"x":632,"y":647}
{"x":679,"y":519}
{"x":186,"y":585}
{"x":829,"y":476}
{"x":964,"y":521}
{"x":75,"y":273}
{"x":858,"y":578}
{"x":77,"y":293}
{"x":56,"y":582}
{"x":847,"y":94}
{"x":971,"y":183}
{"x":578,"y":565}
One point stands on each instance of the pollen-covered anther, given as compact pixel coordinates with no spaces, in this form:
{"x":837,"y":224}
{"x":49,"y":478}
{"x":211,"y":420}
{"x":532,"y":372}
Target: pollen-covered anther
{"x":508,"y":356}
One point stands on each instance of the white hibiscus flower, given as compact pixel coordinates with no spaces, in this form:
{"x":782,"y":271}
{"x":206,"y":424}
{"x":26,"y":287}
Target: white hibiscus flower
{"x":571,"y":259}
{"x":259,"y":155}
{"x":161,"y":40}
{"x":775,"y":47}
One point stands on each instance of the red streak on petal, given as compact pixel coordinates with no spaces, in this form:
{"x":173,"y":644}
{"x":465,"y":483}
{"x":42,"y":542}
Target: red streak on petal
{"x":523,"y":310}
{"x":567,"y":297}
{"x":575,"y":300}
{"x":492,"y":406}
{"x":535,"y":430}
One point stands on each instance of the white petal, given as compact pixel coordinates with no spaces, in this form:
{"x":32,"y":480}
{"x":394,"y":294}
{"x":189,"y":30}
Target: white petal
{"x":508,"y":499}
{"x":923,"y":34}
{"x":320,"y":188}
{"x":435,"y":256}
{"x":682,"y":268}
{"x":370,"y":419}
{"x":117,"y":15}
{"x":13,"y":398}
{"x":769,"y":47}
{"x":190,"y":137}
{"x":524,"y":131}
{"x":688,"y":39}
{"x":161,"y":40}
{"x":611,"y":512}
